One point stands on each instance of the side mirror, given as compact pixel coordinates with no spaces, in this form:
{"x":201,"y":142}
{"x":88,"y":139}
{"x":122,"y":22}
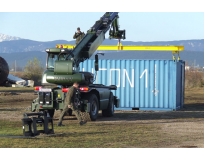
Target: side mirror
{"x":96,"y":63}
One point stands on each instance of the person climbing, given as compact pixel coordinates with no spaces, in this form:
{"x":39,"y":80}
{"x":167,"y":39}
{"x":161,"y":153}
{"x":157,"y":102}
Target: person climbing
{"x":78,"y":35}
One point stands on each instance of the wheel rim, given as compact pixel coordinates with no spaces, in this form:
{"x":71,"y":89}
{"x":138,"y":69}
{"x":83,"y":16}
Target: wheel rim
{"x":94,"y":108}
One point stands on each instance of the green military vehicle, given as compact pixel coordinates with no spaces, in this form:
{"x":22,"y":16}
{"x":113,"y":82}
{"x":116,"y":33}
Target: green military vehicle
{"x":63,"y":70}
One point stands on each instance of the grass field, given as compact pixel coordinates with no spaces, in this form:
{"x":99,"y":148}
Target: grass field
{"x":16,"y":89}
{"x":127,"y":129}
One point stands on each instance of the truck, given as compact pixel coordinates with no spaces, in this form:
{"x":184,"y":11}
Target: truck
{"x":63,"y":69}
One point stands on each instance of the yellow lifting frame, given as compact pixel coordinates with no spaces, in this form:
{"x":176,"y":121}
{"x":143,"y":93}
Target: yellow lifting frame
{"x":120,"y":47}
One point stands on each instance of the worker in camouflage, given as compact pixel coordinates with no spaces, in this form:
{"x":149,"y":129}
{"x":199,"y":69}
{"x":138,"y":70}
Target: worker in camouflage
{"x":78,"y":35}
{"x":69,"y":103}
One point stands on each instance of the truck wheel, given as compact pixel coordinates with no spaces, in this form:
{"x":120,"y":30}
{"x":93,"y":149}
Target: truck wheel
{"x":51,"y":112}
{"x":109,"y":112}
{"x":94,"y":107}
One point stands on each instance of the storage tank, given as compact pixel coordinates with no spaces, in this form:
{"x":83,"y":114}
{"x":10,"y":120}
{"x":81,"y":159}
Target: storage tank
{"x":142,"y":84}
{"x":4,"y":70}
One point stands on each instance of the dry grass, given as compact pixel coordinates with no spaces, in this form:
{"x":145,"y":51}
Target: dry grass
{"x":16,"y":89}
{"x":194,"y":99}
{"x":127,"y":129}
{"x":194,"y":79}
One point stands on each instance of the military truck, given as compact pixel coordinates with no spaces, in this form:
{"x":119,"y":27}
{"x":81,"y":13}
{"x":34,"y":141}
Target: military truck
{"x":62,"y":70}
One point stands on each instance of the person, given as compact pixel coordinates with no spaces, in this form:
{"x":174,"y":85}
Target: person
{"x":69,"y":103}
{"x":78,"y":35}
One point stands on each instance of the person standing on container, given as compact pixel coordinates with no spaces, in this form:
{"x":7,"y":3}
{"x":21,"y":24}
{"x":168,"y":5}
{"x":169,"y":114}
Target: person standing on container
{"x":78,"y":35}
{"x":69,"y":103}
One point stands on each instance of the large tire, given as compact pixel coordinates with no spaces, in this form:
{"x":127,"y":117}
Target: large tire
{"x":51,"y":112}
{"x":109,"y":112}
{"x":94,"y":107}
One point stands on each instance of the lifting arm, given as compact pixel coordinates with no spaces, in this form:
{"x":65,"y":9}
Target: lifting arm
{"x":94,"y":38}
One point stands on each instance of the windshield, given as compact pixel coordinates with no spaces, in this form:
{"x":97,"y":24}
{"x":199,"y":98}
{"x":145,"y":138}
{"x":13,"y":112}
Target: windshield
{"x":52,"y":58}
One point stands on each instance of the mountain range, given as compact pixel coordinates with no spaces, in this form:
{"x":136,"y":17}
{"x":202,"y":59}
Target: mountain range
{"x":19,"y":51}
{"x":4,"y":37}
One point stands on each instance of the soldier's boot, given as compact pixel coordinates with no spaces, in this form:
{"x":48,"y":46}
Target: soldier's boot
{"x":78,"y":116}
{"x":82,"y":122}
{"x":60,"y":124}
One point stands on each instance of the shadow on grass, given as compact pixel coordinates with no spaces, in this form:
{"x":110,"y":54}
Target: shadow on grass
{"x":193,"y":107}
{"x":66,"y":118}
{"x":67,"y":134}
{"x":188,"y":111}
{"x":10,"y":109}
{"x":152,"y":116}
{"x":147,"y":115}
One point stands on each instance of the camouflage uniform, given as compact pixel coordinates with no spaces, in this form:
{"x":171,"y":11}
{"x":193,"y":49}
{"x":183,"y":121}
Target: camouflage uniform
{"x":78,"y":36}
{"x":69,"y":100}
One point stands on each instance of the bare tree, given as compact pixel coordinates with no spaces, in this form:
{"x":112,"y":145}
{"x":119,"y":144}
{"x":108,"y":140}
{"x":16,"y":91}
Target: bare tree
{"x":34,"y":70}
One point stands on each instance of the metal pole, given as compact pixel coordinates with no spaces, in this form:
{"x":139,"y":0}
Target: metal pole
{"x":15,"y":66}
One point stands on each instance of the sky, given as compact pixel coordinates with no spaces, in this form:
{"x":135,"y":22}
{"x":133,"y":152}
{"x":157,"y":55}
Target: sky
{"x":148,"y":25}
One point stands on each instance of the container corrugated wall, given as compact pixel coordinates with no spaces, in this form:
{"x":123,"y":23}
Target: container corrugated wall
{"x":142,"y":84}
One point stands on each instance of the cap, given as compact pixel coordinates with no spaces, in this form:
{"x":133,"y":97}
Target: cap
{"x":78,"y":28}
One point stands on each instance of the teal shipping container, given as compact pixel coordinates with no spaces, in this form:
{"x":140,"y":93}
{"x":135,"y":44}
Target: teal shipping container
{"x":142,"y":84}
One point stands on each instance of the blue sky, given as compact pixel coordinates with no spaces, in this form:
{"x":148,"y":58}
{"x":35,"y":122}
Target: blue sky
{"x":139,"y":26}
{"x":160,"y":25}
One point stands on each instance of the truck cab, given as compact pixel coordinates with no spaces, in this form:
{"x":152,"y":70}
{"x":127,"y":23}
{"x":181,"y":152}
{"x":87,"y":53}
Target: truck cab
{"x":91,"y":98}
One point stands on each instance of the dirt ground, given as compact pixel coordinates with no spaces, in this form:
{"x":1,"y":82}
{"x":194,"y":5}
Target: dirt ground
{"x":188,"y":121}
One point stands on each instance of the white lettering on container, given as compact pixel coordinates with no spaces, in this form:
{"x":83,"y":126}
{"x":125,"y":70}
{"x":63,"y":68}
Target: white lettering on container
{"x":155,"y":91}
{"x":113,"y":69}
{"x":144,"y":72}
{"x":125,"y":73}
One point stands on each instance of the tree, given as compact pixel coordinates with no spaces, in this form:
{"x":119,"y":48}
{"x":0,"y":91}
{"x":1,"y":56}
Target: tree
{"x":33,"y":71}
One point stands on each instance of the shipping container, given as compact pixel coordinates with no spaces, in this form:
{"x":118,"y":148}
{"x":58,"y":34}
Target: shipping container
{"x":142,"y":84}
